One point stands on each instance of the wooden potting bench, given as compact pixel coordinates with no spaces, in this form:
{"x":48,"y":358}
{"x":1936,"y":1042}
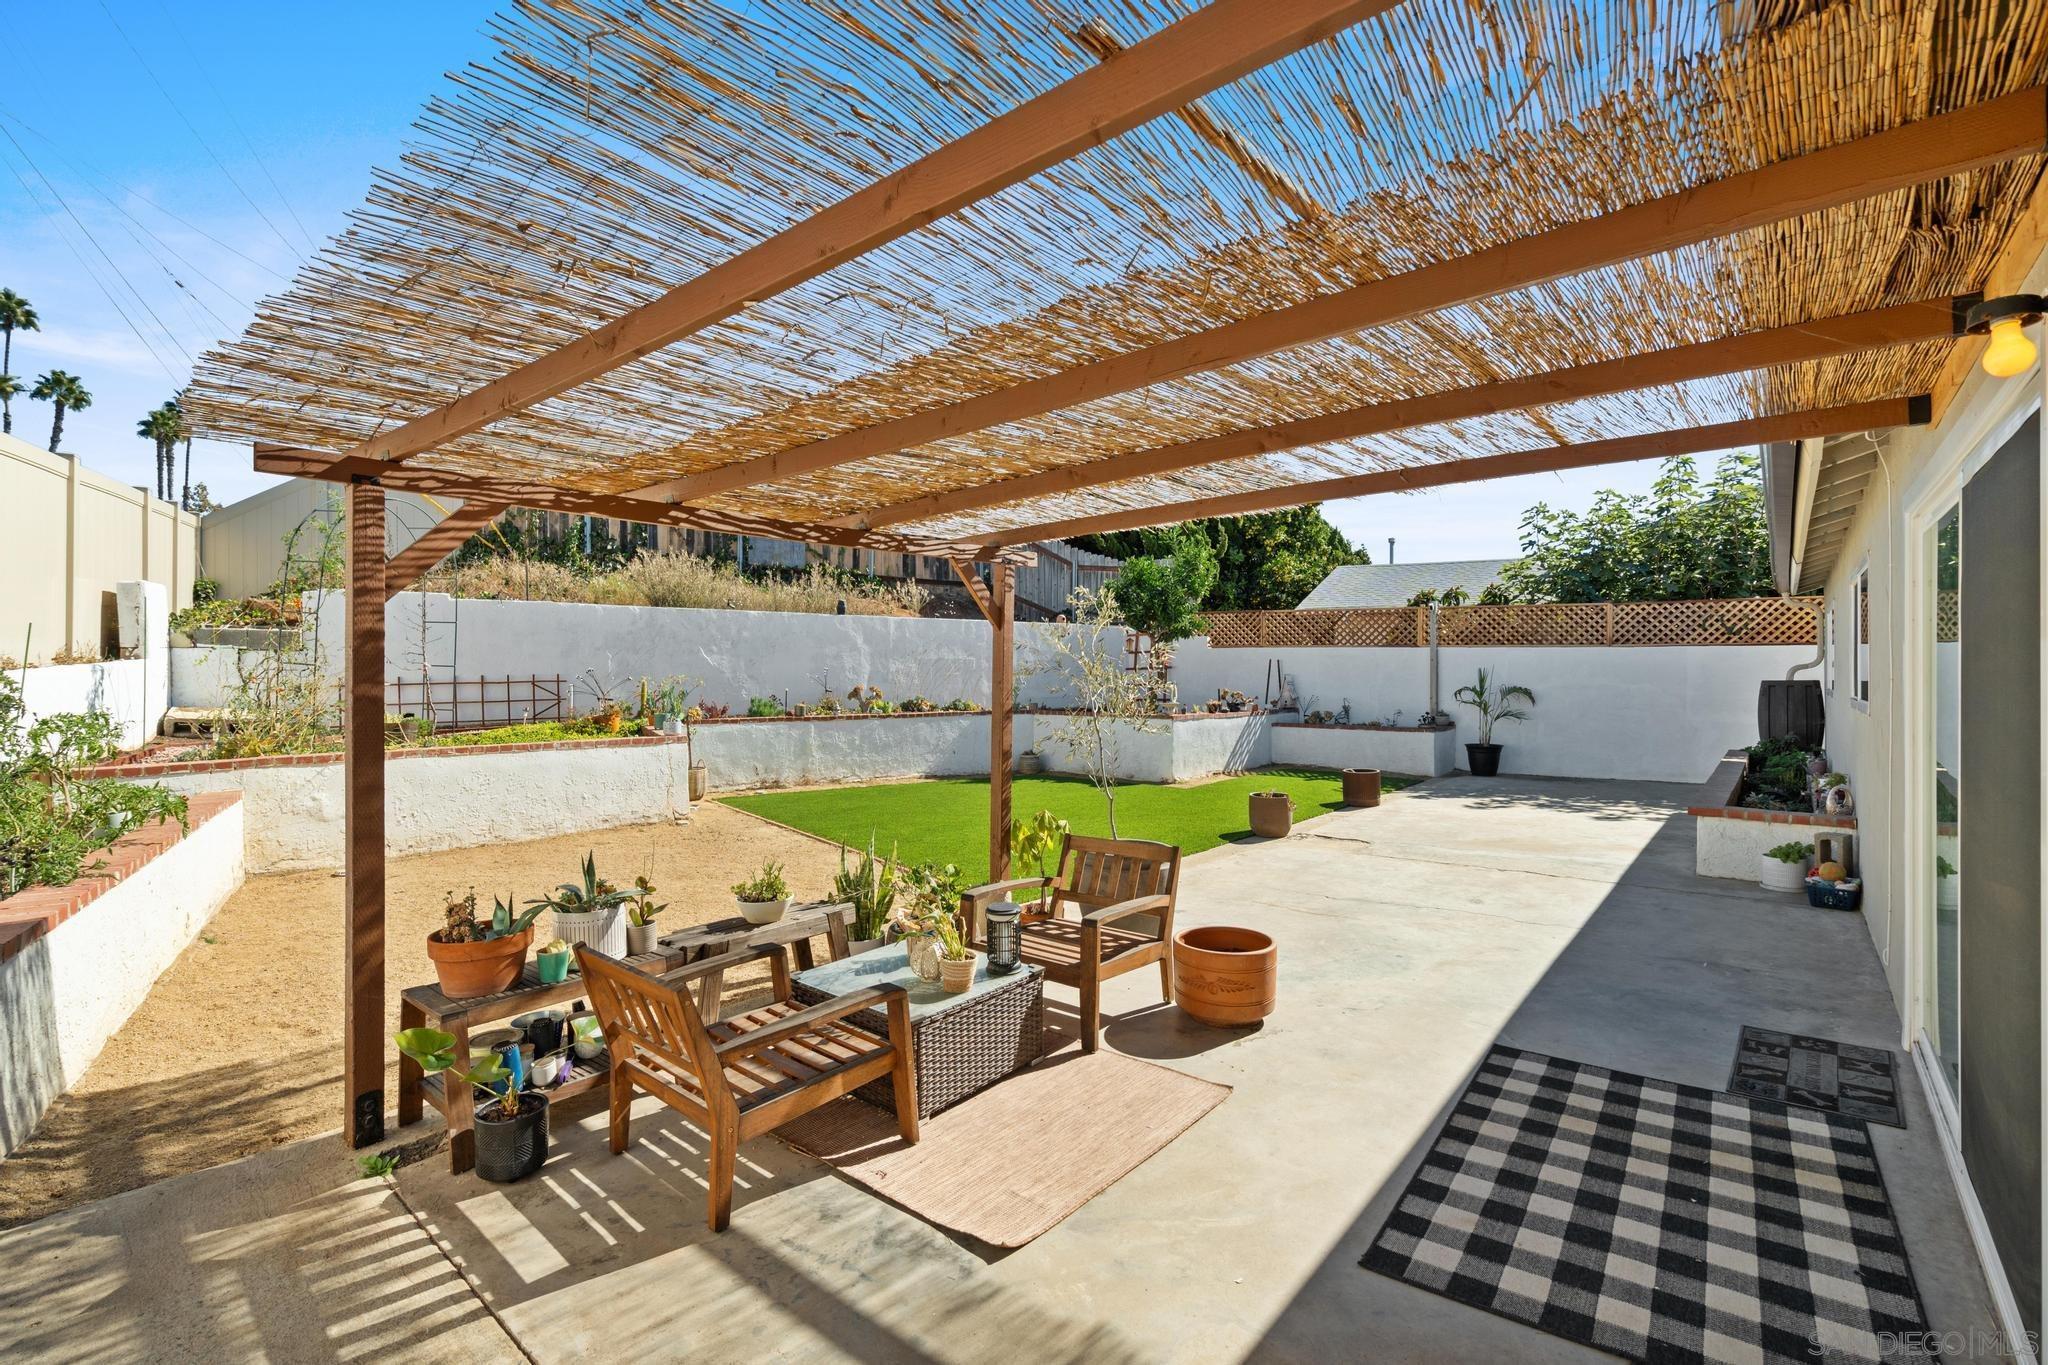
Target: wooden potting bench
{"x":426,"y":1007}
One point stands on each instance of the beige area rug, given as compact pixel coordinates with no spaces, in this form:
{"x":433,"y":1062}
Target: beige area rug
{"x":1067,"y":1129}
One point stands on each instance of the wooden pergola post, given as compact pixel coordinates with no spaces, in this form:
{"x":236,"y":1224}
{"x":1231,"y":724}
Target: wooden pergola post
{"x":363,"y":819}
{"x":1002,"y":677}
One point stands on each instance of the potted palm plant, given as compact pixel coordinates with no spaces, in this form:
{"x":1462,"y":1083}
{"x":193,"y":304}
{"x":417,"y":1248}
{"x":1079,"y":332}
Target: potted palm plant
{"x":869,"y":886}
{"x":1494,"y":705}
{"x":764,"y":896}
{"x":591,"y":911}
{"x":475,"y":957}
{"x":511,"y":1127}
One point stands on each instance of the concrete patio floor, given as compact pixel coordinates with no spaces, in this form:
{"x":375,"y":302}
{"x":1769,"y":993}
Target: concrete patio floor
{"x":1558,"y":916}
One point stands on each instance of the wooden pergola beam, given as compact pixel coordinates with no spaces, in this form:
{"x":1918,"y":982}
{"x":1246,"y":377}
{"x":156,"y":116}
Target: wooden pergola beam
{"x":314,"y":464}
{"x":1824,"y":337}
{"x":1913,"y":153}
{"x":1210,"y":48}
{"x":442,"y":539}
{"x":1886,"y":412}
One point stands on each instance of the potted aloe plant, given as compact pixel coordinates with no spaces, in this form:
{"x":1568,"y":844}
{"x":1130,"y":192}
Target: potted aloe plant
{"x":764,"y":896}
{"x":475,"y":957}
{"x":591,"y":911}
{"x":511,"y":1127}
{"x":869,"y":886}
{"x":1494,"y":705}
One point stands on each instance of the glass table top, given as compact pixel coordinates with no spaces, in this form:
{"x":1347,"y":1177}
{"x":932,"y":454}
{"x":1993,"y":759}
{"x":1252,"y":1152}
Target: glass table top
{"x":891,"y":965}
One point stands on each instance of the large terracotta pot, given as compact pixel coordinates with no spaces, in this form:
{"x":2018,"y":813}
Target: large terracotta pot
{"x":468,"y":970}
{"x":1272,"y":814}
{"x":1361,"y":786}
{"x":1224,"y":975}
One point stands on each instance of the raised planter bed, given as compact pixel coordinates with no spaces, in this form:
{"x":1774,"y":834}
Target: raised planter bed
{"x":76,"y":960}
{"x":1729,"y":838}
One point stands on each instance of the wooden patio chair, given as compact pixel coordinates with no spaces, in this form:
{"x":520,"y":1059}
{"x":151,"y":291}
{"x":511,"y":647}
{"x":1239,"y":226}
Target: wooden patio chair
{"x":1123,"y":891}
{"x":739,"y":1077}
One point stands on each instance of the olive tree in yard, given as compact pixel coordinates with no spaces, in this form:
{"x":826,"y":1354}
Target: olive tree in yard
{"x":1108,"y":699}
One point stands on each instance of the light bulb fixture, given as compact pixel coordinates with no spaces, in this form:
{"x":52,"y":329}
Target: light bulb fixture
{"x":2005,"y":320}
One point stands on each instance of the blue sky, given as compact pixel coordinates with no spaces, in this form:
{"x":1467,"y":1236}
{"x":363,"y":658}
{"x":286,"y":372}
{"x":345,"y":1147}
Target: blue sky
{"x":144,"y":219}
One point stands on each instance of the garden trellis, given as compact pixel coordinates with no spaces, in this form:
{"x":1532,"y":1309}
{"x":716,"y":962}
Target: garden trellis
{"x":950,"y":279}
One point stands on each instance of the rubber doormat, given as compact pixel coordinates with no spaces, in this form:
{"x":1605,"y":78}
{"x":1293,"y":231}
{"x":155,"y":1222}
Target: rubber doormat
{"x":1818,"y":1073}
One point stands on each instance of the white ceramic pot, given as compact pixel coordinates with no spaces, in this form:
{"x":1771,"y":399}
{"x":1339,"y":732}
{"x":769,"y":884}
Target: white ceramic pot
{"x":604,"y":930}
{"x":863,"y":945}
{"x":641,"y":938}
{"x":761,"y":912}
{"x":1776,"y":875}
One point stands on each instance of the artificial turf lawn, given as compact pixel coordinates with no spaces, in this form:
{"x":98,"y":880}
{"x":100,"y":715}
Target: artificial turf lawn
{"x":946,"y":821}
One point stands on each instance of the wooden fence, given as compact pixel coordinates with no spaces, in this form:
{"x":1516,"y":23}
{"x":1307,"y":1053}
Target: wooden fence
{"x":1740,"y":621}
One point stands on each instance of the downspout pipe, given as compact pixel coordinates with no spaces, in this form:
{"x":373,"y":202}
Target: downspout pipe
{"x":1810,"y":453}
{"x":1435,"y":698}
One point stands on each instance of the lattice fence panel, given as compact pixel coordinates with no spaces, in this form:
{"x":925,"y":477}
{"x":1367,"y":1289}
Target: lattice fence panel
{"x":1948,"y":616}
{"x":1744,"y":621}
{"x":1524,"y":623}
{"x":1383,"y":627}
{"x":1741,"y":621}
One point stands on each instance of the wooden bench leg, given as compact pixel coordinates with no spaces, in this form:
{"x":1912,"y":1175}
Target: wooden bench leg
{"x":461,"y":1106}
{"x":804,"y":960}
{"x":1166,"y":979}
{"x":411,"y":1103}
{"x":903,"y":1071}
{"x":1091,"y":1011}
{"x":621,"y":1108}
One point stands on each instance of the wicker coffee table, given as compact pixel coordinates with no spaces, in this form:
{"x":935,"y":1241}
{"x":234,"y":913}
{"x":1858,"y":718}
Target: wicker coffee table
{"x":960,"y":1043}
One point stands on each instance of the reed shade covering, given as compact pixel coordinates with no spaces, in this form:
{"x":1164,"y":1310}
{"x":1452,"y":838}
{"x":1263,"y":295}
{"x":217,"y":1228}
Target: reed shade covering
{"x":609,"y":150}
{"x":1007,"y":1165}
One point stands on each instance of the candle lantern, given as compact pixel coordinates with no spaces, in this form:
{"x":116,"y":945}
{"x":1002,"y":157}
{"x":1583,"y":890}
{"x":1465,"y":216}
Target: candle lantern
{"x":1004,"y":937}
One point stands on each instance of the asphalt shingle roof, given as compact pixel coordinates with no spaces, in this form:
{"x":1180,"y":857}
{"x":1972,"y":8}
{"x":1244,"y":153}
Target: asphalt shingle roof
{"x":1394,"y":585}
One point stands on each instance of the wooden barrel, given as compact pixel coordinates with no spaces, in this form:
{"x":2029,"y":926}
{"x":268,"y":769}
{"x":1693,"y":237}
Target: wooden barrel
{"x":1361,"y":786}
{"x":1224,"y":975}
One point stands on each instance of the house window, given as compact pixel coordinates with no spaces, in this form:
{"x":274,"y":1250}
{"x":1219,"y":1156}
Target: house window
{"x":1859,"y":675}
{"x":1827,"y":652}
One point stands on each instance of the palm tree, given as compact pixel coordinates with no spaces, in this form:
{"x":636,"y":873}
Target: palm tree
{"x":15,"y":311}
{"x":10,"y":389}
{"x":68,"y":393}
{"x":159,"y":428}
{"x":177,"y":404}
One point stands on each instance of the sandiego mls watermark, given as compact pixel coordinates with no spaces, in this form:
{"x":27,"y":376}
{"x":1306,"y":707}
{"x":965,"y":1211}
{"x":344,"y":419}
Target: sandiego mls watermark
{"x":1975,"y":1343}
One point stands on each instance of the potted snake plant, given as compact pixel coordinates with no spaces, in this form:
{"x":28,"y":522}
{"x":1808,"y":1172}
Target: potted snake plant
{"x":1494,"y":705}
{"x":869,"y":886}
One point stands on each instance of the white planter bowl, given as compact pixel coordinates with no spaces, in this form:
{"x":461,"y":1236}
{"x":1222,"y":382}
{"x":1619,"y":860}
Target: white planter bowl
{"x":1774,"y":875}
{"x":604,"y":930}
{"x":761,"y":912}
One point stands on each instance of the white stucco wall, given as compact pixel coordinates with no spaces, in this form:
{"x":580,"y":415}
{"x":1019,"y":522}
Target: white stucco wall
{"x":730,"y":655}
{"x":854,"y":749}
{"x":432,"y":801}
{"x":206,"y":676}
{"x":134,"y":691}
{"x":64,"y":994}
{"x":1425,"y":753}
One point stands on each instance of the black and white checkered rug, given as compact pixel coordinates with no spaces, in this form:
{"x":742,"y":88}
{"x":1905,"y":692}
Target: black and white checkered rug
{"x":1660,"y":1222}
{"x":1819,"y":1073}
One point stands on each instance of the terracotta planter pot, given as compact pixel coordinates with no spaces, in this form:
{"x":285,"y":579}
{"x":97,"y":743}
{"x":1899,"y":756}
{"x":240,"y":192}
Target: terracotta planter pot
{"x":700,"y":781}
{"x":1361,"y":786}
{"x":468,"y":970}
{"x":1225,"y":976}
{"x":1272,"y":814}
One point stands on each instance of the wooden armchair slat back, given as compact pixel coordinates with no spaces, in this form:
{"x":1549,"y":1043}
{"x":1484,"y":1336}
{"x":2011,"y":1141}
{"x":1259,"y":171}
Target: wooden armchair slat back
{"x":1097,"y":872}
{"x":641,"y":1010}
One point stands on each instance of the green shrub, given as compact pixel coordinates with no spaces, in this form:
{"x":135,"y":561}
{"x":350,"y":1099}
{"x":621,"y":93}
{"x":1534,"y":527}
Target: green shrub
{"x":1790,"y":853}
{"x":763,"y":706}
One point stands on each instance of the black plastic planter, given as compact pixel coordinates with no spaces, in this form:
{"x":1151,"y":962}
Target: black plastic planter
{"x":1483,"y":759}
{"x":509,"y":1149}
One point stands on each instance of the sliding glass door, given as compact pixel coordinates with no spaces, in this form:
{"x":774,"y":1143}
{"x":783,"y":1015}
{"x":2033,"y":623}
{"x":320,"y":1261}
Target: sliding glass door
{"x":1945,"y":959}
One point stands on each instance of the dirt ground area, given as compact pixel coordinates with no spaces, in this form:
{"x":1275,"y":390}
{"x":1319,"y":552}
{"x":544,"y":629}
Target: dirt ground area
{"x":238,"y":1047}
